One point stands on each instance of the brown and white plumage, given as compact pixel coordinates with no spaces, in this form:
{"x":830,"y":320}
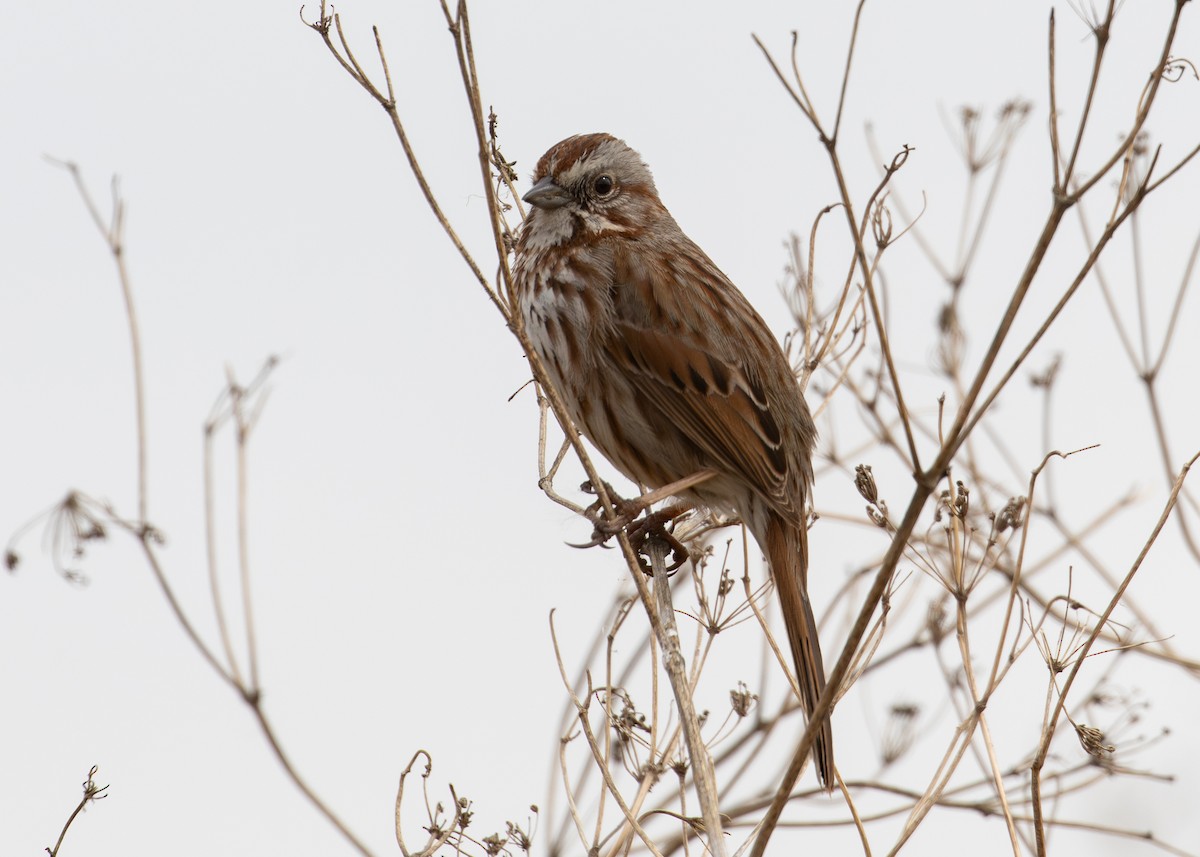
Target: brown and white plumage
{"x":666,"y":368}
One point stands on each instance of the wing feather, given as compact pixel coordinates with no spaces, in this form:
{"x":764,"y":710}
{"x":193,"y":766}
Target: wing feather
{"x":704,"y":375}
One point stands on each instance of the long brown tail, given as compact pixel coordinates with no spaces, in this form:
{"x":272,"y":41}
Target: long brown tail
{"x":787,"y":553}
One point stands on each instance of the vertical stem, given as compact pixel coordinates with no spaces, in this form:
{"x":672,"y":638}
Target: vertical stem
{"x":210,"y":552}
{"x":139,"y":386}
{"x":243,"y":539}
{"x":703,"y":775}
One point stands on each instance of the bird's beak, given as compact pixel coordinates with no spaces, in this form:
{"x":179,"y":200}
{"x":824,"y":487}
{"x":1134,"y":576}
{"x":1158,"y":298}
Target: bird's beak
{"x":546,"y":194}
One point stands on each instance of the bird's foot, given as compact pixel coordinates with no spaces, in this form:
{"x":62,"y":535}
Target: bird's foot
{"x":639,"y":530}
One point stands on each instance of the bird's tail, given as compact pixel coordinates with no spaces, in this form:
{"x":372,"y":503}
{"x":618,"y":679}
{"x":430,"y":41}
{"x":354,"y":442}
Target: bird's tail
{"x":787,"y":553}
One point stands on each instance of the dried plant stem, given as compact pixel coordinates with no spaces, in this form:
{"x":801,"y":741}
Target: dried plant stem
{"x":148,"y":537}
{"x":460,"y":29}
{"x":981,"y":701}
{"x":285,"y":761}
{"x":1081,"y":655}
{"x":573,"y":812}
{"x":210,"y":551}
{"x":1052,"y":316}
{"x":91,"y":794}
{"x":113,"y":231}
{"x":581,"y":709}
{"x":964,"y":422}
{"x":242,"y":426}
{"x":346,"y":59}
{"x":703,"y":776}
{"x":856,"y":231}
{"x":437,"y":837}
{"x":1144,"y":103}
{"x":1014,"y":590}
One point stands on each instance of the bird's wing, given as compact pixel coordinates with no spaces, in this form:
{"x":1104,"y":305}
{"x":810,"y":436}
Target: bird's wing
{"x":700,"y":353}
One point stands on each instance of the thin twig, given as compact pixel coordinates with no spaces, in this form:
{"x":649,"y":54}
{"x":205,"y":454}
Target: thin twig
{"x":1081,"y":655}
{"x":91,"y":794}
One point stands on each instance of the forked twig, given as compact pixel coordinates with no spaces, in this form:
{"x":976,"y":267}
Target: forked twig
{"x":148,"y":537}
{"x":91,"y":794}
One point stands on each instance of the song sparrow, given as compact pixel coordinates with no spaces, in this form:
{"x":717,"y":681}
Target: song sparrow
{"x":666,"y":368}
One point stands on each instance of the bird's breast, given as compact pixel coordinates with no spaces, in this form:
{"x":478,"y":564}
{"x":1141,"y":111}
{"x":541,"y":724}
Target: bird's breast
{"x":566,"y":305}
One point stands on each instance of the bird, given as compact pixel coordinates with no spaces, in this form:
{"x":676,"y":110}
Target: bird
{"x":667,"y":369}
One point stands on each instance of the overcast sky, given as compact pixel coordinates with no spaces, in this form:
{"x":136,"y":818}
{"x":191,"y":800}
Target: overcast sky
{"x":404,"y":561}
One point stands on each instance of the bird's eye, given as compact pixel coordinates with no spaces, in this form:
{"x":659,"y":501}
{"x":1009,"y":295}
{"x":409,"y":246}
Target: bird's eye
{"x":603,"y":185}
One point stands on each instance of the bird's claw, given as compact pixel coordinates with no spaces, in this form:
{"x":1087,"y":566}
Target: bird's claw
{"x":598,"y":539}
{"x":679,"y":552}
{"x":604,"y":528}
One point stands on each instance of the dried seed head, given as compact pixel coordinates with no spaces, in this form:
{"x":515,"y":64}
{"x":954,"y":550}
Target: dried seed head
{"x":727,"y":582}
{"x":900,"y":731}
{"x":962,"y":500}
{"x":742,"y":700}
{"x":1010,"y":516}
{"x":864,"y":481}
{"x":518,"y":837}
{"x":947,"y":320}
{"x":1045,"y":378}
{"x":1016,"y":108}
{"x":465,"y":813}
{"x":881,"y":224}
{"x":629,"y":719}
{"x":1092,"y":741}
{"x":935,"y":621}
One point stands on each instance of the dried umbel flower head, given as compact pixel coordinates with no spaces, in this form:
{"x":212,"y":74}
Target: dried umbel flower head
{"x":1092,"y":741}
{"x":864,"y":481}
{"x":877,"y":510}
{"x":1045,"y":379}
{"x":936,"y":621}
{"x":881,"y":223}
{"x":978,"y":149}
{"x":956,"y":504}
{"x":71,"y":526}
{"x":962,"y":500}
{"x":517,"y":835}
{"x":900,"y":731}
{"x":629,"y":719}
{"x":741,"y":699}
{"x":1011,"y":516}
{"x":877,"y":517}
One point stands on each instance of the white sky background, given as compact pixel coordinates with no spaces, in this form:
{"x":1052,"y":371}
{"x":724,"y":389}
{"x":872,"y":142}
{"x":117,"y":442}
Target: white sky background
{"x":404,"y":560}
